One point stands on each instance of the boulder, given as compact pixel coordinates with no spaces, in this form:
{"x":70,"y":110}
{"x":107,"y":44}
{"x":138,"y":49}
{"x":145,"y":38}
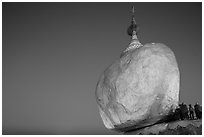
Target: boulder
{"x":139,"y":88}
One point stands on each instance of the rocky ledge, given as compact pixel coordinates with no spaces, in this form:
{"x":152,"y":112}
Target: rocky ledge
{"x":184,"y":127}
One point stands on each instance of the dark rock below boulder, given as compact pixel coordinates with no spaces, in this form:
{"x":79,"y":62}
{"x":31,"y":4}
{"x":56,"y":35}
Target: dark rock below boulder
{"x":185,"y":127}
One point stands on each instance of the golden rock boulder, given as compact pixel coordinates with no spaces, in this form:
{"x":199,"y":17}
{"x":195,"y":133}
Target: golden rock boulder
{"x":140,"y":88}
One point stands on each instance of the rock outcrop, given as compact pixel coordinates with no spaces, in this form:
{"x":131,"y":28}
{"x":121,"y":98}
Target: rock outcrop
{"x":185,"y":127}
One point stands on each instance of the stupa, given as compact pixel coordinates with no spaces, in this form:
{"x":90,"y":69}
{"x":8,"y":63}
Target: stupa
{"x":141,"y":87}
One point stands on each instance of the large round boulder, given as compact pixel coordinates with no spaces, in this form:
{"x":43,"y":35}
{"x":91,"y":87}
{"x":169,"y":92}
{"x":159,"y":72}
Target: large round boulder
{"x":140,"y":88}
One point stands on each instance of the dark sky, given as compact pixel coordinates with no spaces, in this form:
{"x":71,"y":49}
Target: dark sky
{"x":54,"y":53}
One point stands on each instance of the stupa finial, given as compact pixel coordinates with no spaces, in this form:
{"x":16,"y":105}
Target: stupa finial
{"x":133,"y":26}
{"x":133,"y":9}
{"x":132,"y":31}
{"x":133,"y":15}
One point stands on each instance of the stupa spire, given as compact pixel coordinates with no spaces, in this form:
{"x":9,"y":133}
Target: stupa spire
{"x":133,"y":26}
{"x":132,"y":31}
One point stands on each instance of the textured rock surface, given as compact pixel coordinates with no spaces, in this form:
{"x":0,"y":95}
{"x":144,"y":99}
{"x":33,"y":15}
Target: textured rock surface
{"x":139,"y":88}
{"x":186,"y":127}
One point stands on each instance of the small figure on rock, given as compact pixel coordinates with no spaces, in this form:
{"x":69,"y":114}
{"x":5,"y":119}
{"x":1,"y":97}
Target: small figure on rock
{"x":191,"y":112}
{"x":198,"y":111}
{"x":177,"y":113}
{"x":180,"y":112}
{"x":184,"y":111}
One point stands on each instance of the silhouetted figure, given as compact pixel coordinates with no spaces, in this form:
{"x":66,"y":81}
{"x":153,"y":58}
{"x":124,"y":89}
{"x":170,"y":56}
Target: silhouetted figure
{"x":173,"y":115}
{"x":180,"y":112}
{"x":191,"y":114}
{"x":198,"y":111}
{"x":170,"y":116}
{"x":184,"y":111}
{"x":177,"y":115}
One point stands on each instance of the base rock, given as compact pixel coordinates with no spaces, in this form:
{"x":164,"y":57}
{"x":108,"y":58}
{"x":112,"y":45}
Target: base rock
{"x":185,"y":127}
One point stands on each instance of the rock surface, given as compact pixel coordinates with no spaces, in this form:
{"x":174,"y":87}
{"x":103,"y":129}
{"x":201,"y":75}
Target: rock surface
{"x":186,"y":127}
{"x":140,"y":88}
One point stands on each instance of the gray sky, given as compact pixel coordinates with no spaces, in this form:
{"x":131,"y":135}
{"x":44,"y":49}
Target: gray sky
{"x":54,"y":53}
